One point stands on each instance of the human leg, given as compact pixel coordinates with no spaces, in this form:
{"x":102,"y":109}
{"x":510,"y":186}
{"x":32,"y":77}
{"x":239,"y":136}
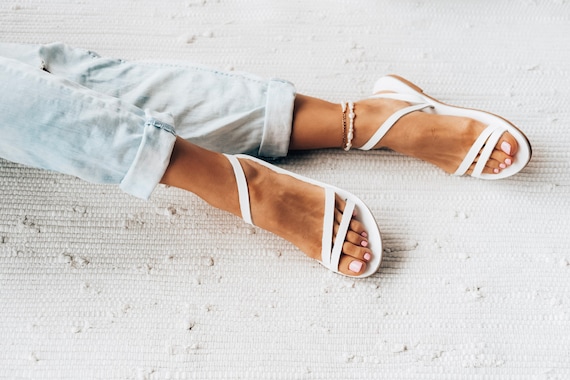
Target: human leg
{"x":53,"y":123}
{"x":230,"y":112}
{"x":238,"y":112}
{"x":443,"y":137}
{"x":280,"y":203}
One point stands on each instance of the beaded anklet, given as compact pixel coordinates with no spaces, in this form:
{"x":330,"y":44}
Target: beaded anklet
{"x":347,"y":143}
{"x":343,"y":105}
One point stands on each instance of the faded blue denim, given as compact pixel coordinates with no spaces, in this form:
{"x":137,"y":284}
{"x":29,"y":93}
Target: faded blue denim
{"x":112,"y":121}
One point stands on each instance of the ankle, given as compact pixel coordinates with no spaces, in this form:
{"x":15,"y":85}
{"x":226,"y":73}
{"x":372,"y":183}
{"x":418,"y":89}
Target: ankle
{"x":207,"y":174}
{"x":364,"y":124}
{"x":316,"y":124}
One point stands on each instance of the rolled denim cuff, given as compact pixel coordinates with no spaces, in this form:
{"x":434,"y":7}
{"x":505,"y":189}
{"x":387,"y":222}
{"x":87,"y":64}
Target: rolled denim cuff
{"x":278,"y":119}
{"x":152,"y":157}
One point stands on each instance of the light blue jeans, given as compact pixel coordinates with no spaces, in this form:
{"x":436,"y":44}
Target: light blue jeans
{"x":111,"y":121}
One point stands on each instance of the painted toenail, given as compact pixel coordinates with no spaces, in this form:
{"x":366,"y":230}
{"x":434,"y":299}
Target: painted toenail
{"x":355,"y":266}
{"x":502,"y":166}
{"x":506,"y":147}
{"x":364,"y":243}
{"x":496,"y":171}
{"x":364,"y":234}
{"x":367,"y":256}
{"x":508,"y":162}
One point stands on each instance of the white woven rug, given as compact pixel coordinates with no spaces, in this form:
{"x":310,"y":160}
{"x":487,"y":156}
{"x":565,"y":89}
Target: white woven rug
{"x":95,"y":284}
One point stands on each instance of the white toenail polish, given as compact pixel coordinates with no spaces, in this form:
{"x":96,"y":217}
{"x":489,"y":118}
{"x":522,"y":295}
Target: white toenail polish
{"x":355,"y":266}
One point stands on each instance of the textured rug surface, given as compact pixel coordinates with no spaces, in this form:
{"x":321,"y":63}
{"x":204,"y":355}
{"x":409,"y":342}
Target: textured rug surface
{"x":475,"y":280}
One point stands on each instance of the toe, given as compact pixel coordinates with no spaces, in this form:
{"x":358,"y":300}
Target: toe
{"x":351,"y":266}
{"x":356,"y":233}
{"x":501,"y":159}
{"x":356,"y":252}
{"x":356,"y":239}
{"x":491,"y":167}
{"x":502,"y":156}
{"x":358,"y":228}
{"x":508,"y":144}
{"x":353,"y":237}
{"x":355,"y":225}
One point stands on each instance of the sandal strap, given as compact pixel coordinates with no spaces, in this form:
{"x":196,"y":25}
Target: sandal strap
{"x":487,"y":140}
{"x":328,"y":220}
{"x":330,"y":253}
{"x":243,"y":191}
{"x":341,"y":233}
{"x":487,"y":151}
{"x":389,"y":123}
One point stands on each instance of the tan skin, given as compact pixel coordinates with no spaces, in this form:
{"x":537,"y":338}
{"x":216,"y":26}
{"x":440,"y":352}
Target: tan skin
{"x":293,"y":209}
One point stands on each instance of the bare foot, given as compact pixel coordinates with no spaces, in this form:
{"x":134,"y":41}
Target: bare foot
{"x":439,"y":139}
{"x":294,"y":210}
{"x":279,"y":203}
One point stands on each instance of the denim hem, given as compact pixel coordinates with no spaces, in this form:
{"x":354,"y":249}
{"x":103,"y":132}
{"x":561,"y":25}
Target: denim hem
{"x":153,"y":156}
{"x":278,"y":119}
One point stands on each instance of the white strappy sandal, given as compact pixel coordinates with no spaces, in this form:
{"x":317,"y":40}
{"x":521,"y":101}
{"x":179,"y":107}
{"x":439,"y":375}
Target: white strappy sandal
{"x":331,"y":253}
{"x":394,"y":87}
